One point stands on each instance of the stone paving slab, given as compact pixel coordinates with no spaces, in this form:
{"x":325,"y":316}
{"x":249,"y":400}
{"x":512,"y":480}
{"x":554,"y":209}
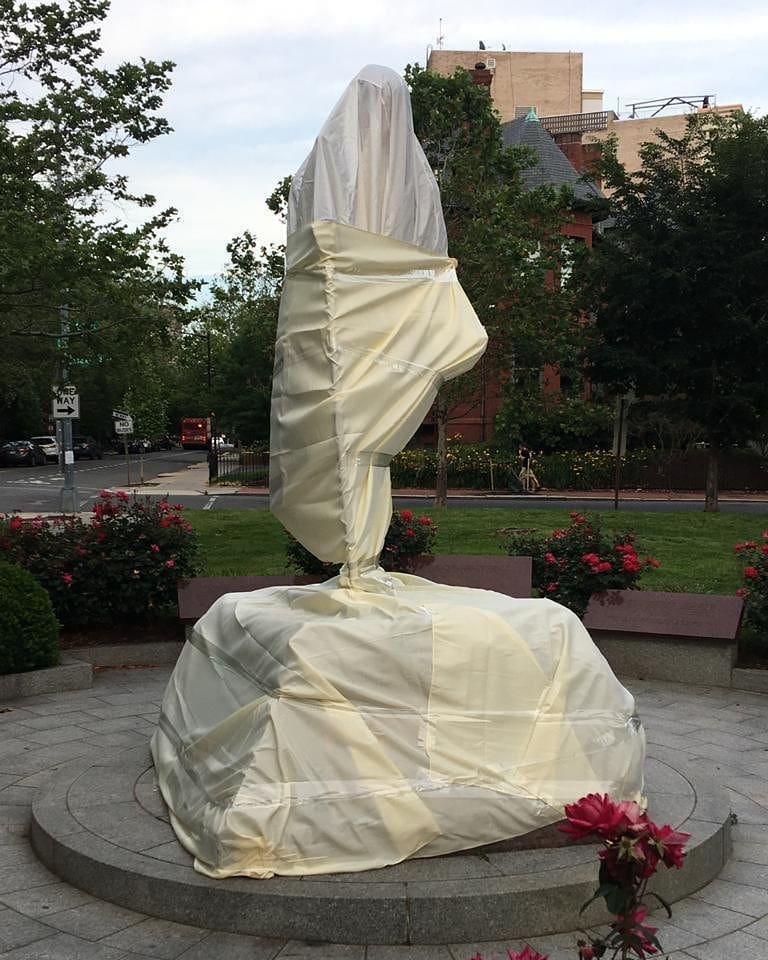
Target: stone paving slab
{"x":700,"y":929}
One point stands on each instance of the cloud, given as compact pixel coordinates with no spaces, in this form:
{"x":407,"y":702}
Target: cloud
{"x":254,"y":82}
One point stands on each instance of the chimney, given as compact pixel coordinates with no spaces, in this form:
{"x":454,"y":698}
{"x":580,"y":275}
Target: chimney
{"x":481,"y":75}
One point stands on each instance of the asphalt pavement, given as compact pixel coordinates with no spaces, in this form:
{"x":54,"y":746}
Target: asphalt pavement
{"x":183,"y":476}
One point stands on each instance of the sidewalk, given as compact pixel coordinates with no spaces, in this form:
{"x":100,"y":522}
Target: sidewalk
{"x":720,"y":732}
{"x":194,"y":480}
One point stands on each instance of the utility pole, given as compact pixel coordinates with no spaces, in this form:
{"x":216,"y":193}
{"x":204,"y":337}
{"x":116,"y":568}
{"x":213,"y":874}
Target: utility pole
{"x":68,"y":499}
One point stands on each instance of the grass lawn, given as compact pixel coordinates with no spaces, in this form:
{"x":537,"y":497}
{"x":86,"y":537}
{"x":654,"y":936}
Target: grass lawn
{"x":695,"y":550}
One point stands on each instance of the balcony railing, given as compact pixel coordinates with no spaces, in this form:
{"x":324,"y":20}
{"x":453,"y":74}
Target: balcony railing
{"x":578,"y":122}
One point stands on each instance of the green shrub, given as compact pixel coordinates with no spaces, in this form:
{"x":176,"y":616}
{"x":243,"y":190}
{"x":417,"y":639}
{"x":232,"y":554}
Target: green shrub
{"x":572,"y":564}
{"x":29,"y":630}
{"x":122,"y":565}
{"x":753,"y":560}
{"x":408,"y":539}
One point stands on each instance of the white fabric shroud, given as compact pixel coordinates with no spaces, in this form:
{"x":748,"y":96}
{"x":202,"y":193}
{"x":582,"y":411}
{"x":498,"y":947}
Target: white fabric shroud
{"x":353,"y":724}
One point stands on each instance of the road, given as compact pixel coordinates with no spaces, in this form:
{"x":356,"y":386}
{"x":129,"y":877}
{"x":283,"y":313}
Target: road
{"x":37,"y":489}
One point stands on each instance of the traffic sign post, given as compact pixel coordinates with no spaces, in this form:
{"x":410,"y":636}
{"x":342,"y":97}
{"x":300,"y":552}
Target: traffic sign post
{"x":66,"y":408}
{"x":123,"y":424}
{"x":66,"y":403}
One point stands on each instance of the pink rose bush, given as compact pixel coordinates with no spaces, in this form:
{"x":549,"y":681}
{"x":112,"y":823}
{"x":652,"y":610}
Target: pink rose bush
{"x":633,"y":848}
{"x":121,"y":564}
{"x":408,"y":544}
{"x":576,"y":562}
{"x":752,"y":556}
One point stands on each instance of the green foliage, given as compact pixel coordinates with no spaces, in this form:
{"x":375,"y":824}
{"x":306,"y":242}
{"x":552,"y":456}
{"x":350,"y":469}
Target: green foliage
{"x":66,"y":123}
{"x":551,"y":422}
{"x":753,"y":562}
{"x":469,"y":466}
{"x":122,"y":565}
{"x":224,"y":360}
{"x":576,"y":562}
{"x":408,"y":540}
{"x":29,"y":631}
{"x":677,"y":286}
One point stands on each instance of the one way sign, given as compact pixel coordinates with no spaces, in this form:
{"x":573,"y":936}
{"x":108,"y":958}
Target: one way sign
{"x":66,"y":403}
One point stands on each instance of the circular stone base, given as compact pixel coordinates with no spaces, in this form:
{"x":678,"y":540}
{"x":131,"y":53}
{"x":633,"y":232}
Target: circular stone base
{"x":104,"y":828}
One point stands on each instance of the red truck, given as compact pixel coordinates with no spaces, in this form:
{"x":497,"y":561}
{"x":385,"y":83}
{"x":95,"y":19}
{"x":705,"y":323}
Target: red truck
{"x":196,"y":433}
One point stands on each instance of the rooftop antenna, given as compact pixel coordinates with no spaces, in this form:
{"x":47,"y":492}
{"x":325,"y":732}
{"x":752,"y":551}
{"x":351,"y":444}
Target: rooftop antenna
{"x":440,"y":34}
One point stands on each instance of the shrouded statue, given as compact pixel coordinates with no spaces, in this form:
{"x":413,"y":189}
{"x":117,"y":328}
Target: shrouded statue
{"x":377,"y":716}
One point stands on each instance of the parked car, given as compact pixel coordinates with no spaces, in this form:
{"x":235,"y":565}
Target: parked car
{"x":140,"y":445}
{"x":21,"y":453}
{"x":86,"y":447}
{"x":49,"y":446}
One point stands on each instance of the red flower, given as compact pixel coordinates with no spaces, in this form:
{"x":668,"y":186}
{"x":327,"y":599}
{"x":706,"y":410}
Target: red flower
{"x":669,"y":843}
{"x":66,"y":578}
{"x":751,"y":573}
{"x":764,"y":548}
{"x":409,"y":532}
{"x":603,"y":567}
{"x":527,"y":953}
{"x":80,"y":551}
{"x":406,"y":515}
{"x":154,"y":548}
{"x":577,"y":517}
{"x":550,"y":557}
{"x":122,"y":495}
{"x":169,"y":564}
{"x":742,"y":592}
{"x":425,"y":521}
{"x":16,"y":523}
{"x":105,"y":495}
{"x":599,"y":814}
{"x":738,"y":547}
{"x":586,"y":952}
{"x":590,"y":558}
{"x":551,"y":587}
{"x":652,"y":561}
{"x":177,"y":506}
{"x":631,"y":564}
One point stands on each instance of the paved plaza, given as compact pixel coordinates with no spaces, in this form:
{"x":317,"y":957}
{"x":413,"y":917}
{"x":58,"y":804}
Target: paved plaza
{"x":721,"y":733}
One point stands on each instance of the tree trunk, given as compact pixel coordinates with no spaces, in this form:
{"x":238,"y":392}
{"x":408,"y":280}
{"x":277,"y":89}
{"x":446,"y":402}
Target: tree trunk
{"x":713,"y":470}
{"x":441,"y":479}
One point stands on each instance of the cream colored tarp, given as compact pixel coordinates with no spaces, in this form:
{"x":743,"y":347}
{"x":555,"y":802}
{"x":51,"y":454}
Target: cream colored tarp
{"x":322,"y":729}
{"x":369,"y":328}
{"x":352,"y":724}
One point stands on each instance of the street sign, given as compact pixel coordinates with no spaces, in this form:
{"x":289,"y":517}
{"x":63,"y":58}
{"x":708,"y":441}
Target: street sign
{"x":121,"y":415}
{"x":124,"y":426}
{"x":66,"y":402}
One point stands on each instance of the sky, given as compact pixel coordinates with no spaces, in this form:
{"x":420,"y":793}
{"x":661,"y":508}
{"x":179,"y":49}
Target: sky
{"x":254,"y":81}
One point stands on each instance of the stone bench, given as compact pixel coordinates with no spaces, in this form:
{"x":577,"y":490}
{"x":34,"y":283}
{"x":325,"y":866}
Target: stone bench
{"x":682,"y":637}
{"x":509,"y":575}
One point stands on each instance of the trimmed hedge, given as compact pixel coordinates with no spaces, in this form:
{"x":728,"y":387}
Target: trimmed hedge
{"x":29,"y":630}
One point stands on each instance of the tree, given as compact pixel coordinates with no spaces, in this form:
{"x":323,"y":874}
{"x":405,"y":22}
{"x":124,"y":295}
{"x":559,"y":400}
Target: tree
{"x":242,"y":315}
{"x":506,"y":240}
{"x":78,"y":288}
{"x":677,"y":286}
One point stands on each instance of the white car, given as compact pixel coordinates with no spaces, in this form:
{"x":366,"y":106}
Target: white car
{"x":49,"y":446}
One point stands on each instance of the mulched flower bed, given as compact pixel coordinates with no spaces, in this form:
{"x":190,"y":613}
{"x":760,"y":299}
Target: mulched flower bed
{"x":158,"y":631}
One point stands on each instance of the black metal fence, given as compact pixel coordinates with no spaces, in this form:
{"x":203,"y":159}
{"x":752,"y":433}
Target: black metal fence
{"x":243,"y":467}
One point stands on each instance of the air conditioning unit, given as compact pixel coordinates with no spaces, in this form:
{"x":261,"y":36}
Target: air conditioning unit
{"x":490,"y":63}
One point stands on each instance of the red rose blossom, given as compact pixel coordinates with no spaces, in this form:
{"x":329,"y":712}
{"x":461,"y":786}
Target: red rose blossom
{"x":66,"y":578}
{"x":406,"y":515}
{"x":598,"y":814}
{"x":751,"y":573}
